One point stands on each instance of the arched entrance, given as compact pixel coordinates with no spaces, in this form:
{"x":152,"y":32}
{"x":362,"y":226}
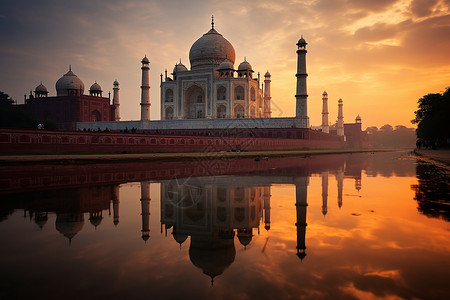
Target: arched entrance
{"x":221,"y":111}
{"x":96,"y":116}
{"x":169,"y":113}
{"x":194,"y":103}
{"x":238,"y":111}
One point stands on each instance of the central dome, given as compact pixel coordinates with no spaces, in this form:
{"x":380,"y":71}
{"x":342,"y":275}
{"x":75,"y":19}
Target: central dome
{"x":69,"y":84}
{"x":211,"y":49}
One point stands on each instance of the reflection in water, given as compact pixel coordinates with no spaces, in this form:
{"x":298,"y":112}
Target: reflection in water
{"x":211,"y":211}
{"x":432,"y":190}
{"x":259,"y":230}
{"x":68,"y":205}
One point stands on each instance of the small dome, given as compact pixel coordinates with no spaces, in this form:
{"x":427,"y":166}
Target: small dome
{"x":226,"y":65}
{"x":245,"y":66}
{"x":41,"y":88}
{"x":69,"y":81}
{"x":267,"y":74}
{"x":210,"y":49}
{"x":115,"y":82}
{"x":96,"y":221}
{"x":358,"y":119}
{"x":325,"y":93}
{"x":145,"y":60}
{"x":245,"y":239}
{"x":302,"y":42}
{"x":179,"y":68}
{"x":95,"y":87}
{"x":180,"y":238}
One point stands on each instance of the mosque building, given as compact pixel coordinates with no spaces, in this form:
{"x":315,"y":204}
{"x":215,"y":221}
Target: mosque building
{"x":71,"y":105}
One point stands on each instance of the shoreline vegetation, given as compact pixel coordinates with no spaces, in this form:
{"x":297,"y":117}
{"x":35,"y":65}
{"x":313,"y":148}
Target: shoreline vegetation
{"x":72,"y":158}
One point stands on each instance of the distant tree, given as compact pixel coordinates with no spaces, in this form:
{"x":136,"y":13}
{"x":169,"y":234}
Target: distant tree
{"x":5,"y":99}
{"x":432,"y":117}
{"x":372,"y":129}
{"x":12,"y":116}
{"x":386,"y":128}
{"x":388,"y":137}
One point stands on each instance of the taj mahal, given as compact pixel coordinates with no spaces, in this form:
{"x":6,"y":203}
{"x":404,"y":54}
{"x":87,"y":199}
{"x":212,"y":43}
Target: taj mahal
{"x":210,"y":97}
{"x":212,"y":93}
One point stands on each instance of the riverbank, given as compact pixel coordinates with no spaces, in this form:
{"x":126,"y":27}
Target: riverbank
{"x":172,"y":156}
{"x":440,"y":158}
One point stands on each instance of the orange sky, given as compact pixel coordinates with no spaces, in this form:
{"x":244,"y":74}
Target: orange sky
{"x":380,"y":57}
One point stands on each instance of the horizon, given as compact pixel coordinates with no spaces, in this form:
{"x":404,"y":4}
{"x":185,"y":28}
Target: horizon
{"x":380,"y":58}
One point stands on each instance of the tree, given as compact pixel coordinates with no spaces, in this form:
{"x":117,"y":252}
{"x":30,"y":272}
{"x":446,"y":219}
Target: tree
{"x":5,"y":99}
{"x":372,"y":129}
{"x":386,"y":128}
{"x":432,"y":117}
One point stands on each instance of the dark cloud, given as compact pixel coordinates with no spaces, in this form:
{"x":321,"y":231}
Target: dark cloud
{"x":422,"y":8}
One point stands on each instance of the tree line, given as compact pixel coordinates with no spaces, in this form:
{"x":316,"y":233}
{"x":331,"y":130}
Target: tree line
{"x":433,"y":119}
{"x":388,"y":136}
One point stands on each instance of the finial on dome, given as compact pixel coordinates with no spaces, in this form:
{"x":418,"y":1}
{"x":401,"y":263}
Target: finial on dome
{"x":245,"y":58}
{"x":212,"y":22}
{"x":70,"y":68}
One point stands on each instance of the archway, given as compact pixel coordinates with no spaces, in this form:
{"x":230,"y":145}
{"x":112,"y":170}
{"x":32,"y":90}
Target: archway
{"x":239,"y":93}
{"x":194,"y":103}
{"x":169,"y":113}
{"x":221,"y":93}
{"x":169,"y":95}
{"x":221,"y":111}
{"x":96,"y":116}
{"x":239,"y":111}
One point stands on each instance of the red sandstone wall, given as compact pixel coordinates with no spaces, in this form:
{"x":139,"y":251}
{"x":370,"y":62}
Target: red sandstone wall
{"x":41,"y":141}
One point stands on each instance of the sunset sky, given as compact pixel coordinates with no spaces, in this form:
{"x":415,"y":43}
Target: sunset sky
{"x":379,"y":56}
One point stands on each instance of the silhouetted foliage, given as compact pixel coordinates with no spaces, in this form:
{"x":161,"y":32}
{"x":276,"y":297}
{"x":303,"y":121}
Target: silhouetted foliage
{"x":388,"y":137}
{"x":432,"y":117}
{"x":14,"y":116}
{"x":432,"y":191}
{"x":5,"y":100}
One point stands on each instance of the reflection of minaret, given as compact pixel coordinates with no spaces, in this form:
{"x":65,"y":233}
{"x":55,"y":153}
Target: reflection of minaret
{"x":115,"y":200}
{"x":324,"y":192}
{"x":267,"y":207}
{"x":145,"y":209}
{"x":358,"y":183}
{"x":340,"y":185}
{"x":301,"y":204}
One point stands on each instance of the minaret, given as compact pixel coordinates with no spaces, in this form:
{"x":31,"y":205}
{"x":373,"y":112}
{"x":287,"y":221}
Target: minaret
{"x":324,"y":193}
{"x":116,"y":100}
{"x":340,"y":120}
{"x":145,"y":90}
{"x":301,"y":95}
{"x":266,"y":198}
{"x":340,"y":185}
{"x":267,"y":98}
{"x":145,"y":210}
{"x":325,"y":125}
{"x":301,"y":184}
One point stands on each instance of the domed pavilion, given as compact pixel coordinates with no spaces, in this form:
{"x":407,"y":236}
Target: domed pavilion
{"x":212,"y":88}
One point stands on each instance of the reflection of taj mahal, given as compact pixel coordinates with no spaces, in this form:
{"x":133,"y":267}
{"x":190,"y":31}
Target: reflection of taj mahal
{"x":212,"y":212}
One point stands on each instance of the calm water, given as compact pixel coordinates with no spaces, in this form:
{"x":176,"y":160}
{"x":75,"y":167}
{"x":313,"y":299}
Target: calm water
{"x":359,"y":226}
